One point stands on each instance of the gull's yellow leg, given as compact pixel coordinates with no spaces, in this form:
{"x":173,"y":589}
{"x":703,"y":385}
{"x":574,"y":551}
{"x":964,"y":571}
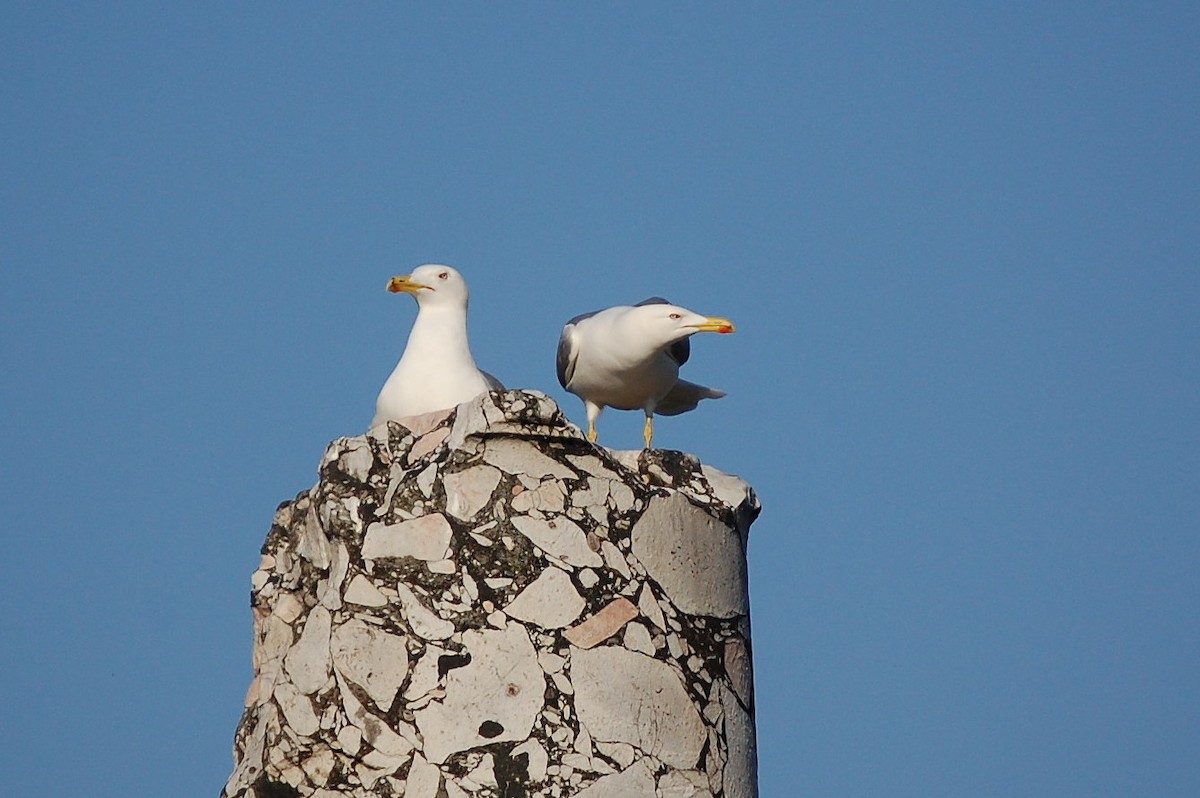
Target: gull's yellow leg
{"x":592,"y":431}
{"x":648,"y":431}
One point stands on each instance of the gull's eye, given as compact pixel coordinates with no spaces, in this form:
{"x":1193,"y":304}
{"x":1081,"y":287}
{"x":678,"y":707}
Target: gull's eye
{"x":676,"y":316}
{"x":444,"y":276}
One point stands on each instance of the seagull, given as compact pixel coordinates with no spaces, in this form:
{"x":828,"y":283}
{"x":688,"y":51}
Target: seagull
{"x":628,"y":357}
{"x":436,"y":371}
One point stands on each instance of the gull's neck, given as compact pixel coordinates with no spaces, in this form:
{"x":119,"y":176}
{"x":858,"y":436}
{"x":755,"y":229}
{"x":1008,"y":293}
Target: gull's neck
{"x":441,"y":330}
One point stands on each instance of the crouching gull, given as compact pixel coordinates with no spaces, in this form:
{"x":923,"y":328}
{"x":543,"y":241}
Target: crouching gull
{"x":629,"y":358}
{"x":436,"y":371}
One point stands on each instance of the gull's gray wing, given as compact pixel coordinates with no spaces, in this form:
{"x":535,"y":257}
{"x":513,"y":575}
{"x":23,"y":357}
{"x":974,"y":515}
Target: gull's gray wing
{"x":679,"y":351}
{"x":565,"y":362}
{"x":684,"y":396}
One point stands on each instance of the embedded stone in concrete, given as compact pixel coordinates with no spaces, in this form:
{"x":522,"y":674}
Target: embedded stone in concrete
{"x":425,"y":624}
{"x":493,"y":698}
{"x":636,"y":781}
{"x":424,"y":538}
{"x":737,"y":665}
{"x":427,"y":443}
{"x":637,"y":638}
{"x":696,"y":559}
{"x":537,"y":757}
{"x":684,"y":784}
{"x":627,"y":697}
{"x":313,"y":545}
{"x":363,"y":592}
{"x":603,"y":625}
{"x":423,"y":779}
{"x":354,"y":458}
{"x":650,"y":608}
{"x":375,"y":730}
{"x":550,"y":601}
{"x":468,"y":491}
{"x":330,"y":589}
{"x":297,"y":709}
{"x":307,"y":663}
{"x":560,"y":538}
{"x":517,"y":457}
{"x":371,"y":658}
{"x":547,"y":497}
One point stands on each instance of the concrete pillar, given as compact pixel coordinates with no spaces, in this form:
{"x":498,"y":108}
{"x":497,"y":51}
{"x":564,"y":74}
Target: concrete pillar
{"x":481,"y":604}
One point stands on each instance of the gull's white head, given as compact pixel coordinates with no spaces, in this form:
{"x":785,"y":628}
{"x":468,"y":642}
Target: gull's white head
{"x":432,"y":285}
{"x":671,"y":323}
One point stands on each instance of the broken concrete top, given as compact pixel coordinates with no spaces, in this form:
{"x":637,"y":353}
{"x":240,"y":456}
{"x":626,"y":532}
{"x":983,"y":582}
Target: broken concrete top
{"x":479,"y":603}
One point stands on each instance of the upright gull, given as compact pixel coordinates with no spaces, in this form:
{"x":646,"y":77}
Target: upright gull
{"x":629,"y":358}
{"x":436,"y":371}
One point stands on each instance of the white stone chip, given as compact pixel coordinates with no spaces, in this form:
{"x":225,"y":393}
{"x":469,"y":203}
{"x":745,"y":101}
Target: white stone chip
{"x":560,"y":538}
{"x":622,"y":496}
{"x":538,"y":759}
{"x":622,"y":754}
{"x":371,"y":658}
{"x":331,"y":588}
{"x":313,"y":545}
{"x":518,"y":457}
{"x":648,"y":606}
{"x":384,"y":763}
{"x":287,"y":608}
{"x":424,"y":623}
{"x":468,"y":491}
{"x":637,"y":638}
{"x":307,"y":662}
{"x":469,"y":586}
{"x":622,"y":696}
{"x":442,"y":567}
{"x":727,"y":488}
{"x":550,"y":601}
{"x":697,"y":560}
{"x":425,"y":538}
{"x":588,"y":578}
{"x":614,"y":559}
{"x":297,"y":709}
{"x":454,"y":791}
{"x":551,"y":662}
{"x":636,"y":781}
{"x":356,"y":458}
{"x":374,"y":729}
{"x":423,"y":779}
{"x":484,"y":774}
{"x":424,"y":673}
{"x":425,"y":479}
{"x":548,"y":497}
{"x":362,"y":591}
{"x":684,"y":784}
{"x":427,"y":443}
{"x":349,"y":737}
{"x":501,"y":685}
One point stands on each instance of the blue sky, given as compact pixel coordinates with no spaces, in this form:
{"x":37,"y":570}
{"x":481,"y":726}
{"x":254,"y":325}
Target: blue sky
{"x":961,"y":245}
